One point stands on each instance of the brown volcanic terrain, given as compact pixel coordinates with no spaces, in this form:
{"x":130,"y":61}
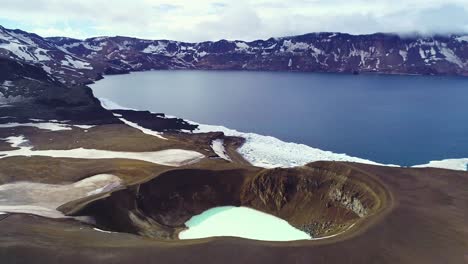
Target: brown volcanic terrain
{"x":422,"y":219}
{"x":358,"y":213}
{"x":363,"y":213}
{"x":320,"y":201}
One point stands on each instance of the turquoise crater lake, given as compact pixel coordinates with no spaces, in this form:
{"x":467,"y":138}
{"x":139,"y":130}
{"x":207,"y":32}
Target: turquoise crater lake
{"x":240,"y":222}
{"x":405,"y":120}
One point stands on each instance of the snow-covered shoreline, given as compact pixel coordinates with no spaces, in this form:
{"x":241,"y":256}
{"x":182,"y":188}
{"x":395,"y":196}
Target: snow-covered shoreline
{"x":270,"y":152}
{"x":450,"y":164}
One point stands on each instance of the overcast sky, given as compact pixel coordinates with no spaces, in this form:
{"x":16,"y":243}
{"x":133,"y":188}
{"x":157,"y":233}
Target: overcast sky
{"x":197,"y":20}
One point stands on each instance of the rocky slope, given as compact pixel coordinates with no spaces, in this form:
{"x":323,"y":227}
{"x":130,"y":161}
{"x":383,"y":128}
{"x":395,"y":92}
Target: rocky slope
{"x":28,"y":92}
{"x":33,"y":49}
{"x":82,"y":61}
{"x":324,"y":52}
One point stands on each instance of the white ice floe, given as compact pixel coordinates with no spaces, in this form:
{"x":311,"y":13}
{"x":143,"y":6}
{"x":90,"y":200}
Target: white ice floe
{"x":270,"y":152}
{"x":43,"y":199}
{"x":168,"y":157}
{"x":450,"y":164}
{"x":241,"y":222}
{"x":218,"y":147}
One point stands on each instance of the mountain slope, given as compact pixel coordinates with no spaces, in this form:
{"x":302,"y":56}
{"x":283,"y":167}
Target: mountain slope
{"x":31,"y":48}
{"x":27,"y":93}
{"x":83,"y":61}
{"x":324,"y":52}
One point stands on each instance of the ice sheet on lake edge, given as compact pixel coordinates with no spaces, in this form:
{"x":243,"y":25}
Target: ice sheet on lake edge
{"x":270,"y":152}
{"x":450,"y":164}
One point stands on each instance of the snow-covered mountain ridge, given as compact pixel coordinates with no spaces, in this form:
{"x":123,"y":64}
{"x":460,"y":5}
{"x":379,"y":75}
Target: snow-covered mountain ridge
{"x":82,"y":61}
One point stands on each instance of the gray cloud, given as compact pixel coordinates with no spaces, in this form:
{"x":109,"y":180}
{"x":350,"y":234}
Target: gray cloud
{"x":216,"y":19}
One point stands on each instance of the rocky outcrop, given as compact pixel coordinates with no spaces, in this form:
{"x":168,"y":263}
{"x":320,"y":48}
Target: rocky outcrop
{"x":321,"y":201}
{"x":155,"y":121}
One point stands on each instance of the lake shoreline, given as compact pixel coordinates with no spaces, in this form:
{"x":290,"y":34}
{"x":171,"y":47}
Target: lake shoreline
{"x":416,"y":162}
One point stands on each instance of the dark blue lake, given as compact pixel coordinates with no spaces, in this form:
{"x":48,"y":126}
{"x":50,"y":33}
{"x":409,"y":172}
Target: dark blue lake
{"x":403,"y":120}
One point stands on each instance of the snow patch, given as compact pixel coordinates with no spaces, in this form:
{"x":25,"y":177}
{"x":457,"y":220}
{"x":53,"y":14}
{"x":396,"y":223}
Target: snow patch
{"x":422,"y":53}
{"x":43,"y":199}
{"x":364,"y":55}
{"x":242,"y":46}
{"x":289,"y":46}
{"x":77,"y":64}
{"x":451,"y":57}
{"x":47,"y":69}
{"x":142,"y":129}
{"x":16,"y":141}
{"x":218,"y":147}
{"x":103,"y":231}
{"x":44,"y":126}
{"x":159,"y":48}
{"x":84,"y":126}
{"x":450,"y":164}
{"x":463,"y":38}
{"x":202,"y":54}
{"x":404,"y":54}
{"x":7,"y":83}
{"x":168,"y":157}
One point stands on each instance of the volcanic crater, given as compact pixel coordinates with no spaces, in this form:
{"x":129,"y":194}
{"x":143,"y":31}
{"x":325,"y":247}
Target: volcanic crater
{"x":319,"y":199}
